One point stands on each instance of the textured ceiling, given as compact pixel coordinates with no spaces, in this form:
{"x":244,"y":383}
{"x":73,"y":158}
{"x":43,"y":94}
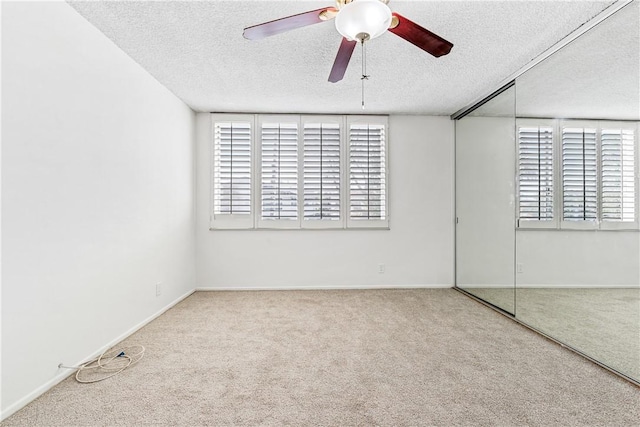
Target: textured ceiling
{"x":196,"y":49}
{"x":597,"y":76}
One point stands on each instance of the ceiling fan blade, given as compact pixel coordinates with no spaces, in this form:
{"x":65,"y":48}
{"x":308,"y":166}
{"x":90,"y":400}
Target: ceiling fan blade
{"x":421,"y":37}
{"x":342,"y":60}
{"x":288,"y":23}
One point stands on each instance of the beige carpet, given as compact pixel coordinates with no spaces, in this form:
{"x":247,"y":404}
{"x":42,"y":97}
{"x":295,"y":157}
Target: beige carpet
{"x":392,"y":357}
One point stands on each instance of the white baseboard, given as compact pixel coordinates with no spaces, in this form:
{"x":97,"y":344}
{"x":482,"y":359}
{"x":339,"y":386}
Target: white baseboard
{"x":577,"y":286}
{"x":15,"y":407}
{"x":562,"y":286}
{"x":321,"y":287}
{"x":485,"y":286}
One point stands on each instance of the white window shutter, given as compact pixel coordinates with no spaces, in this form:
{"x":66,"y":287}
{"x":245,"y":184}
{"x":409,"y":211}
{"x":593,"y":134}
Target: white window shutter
{"x":292,"y":171}
{"x":232,"y":171}
{"x":535,"y":173}
{"x":617,"y":167}
{"x":232,"y":191}
{"x":279,"y":171}
{"x":321,"y":174}
{"x":367,"y":173}
{"x":579,"y":174}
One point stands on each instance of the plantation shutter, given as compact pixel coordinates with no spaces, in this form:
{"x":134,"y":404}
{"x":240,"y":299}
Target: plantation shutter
{"x":579,"y":174}
{"x":298,"y":172}
{"x":279,"y":171}
{"x":321,"y":171}
{"x":367,"y":172}
{"x":618,"y":175}
{"x":232,"y":168}
{"x":535,"y":173}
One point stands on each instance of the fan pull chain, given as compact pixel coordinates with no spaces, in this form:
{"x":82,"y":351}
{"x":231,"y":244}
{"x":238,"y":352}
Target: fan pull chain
{"x":364,"y":69}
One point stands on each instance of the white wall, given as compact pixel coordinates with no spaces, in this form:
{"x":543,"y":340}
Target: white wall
{"x":578,"y":258}
{"x":417,"y":250}
{"x":97,"y":195}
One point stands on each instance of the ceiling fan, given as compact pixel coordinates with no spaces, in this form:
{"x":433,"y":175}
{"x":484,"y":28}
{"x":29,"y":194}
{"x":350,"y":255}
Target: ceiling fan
{"x":356,"y":21}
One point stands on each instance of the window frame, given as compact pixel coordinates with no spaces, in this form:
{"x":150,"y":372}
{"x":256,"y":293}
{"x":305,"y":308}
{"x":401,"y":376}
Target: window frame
{"x":369,"y":223}
{"x":254,"y":220}
{"x":582,"y":224}
{"x":528,"y":223}
{"x":231,"y":221}
{"x":324,"y":224}
{"x":620,"y":225}
{"x":257,"y":170}
{"x":558,"y":223}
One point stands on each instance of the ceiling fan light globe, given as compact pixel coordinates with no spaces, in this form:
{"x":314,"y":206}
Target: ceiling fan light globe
{"x":371,"y":17}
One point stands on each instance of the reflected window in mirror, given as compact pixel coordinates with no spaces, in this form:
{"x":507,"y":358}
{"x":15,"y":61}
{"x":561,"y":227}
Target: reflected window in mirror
{"x":577,"y":174}
{"x":535,"y":175}
{"x":618,"y":175}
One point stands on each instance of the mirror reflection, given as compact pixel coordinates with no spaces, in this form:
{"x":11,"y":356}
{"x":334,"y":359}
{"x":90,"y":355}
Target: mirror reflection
{"x":485,"y":153}
{"x":577,"y":239}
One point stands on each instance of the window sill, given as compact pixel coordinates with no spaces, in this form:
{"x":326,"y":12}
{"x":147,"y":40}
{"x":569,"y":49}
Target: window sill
{"x":301,"y":229}
{"x":525,"y":224}
{"x":606,"y":230}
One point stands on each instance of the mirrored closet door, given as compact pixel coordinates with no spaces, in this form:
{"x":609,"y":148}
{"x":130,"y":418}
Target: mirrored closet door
{"x":577,"y":239}
{"x":547,"y":195}
{"x":485,"y":195}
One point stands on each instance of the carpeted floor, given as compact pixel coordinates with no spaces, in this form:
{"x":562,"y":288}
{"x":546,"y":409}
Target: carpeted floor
{"x":374,"y":357}
{"x":601,"y":322}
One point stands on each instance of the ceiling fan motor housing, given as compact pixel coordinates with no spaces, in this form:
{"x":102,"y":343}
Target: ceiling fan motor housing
{"x":363,"y":19}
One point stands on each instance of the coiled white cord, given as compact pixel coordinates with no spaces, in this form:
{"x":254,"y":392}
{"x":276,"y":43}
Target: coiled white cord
{"x":110,"y":363}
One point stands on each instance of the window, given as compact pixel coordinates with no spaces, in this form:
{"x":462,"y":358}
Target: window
{"x":279,"y":172}
{"x":535,"y":178}
{"x":298,"y":178}
{"x":579,"y":174}
{"x":232,"y":172}
{"x":595,"y":175}
{"x":322,"y":173}
{"x":618,"y":175}
{"x":367,"y":173}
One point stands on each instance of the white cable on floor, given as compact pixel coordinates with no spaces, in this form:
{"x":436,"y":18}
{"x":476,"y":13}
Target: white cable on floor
{"x":110,"y":361}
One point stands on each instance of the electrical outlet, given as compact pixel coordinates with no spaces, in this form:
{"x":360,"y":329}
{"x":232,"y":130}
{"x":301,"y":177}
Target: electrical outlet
{"x":158,"y":289}
{"x":519,"y":267}
{"x":381,"y":268}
